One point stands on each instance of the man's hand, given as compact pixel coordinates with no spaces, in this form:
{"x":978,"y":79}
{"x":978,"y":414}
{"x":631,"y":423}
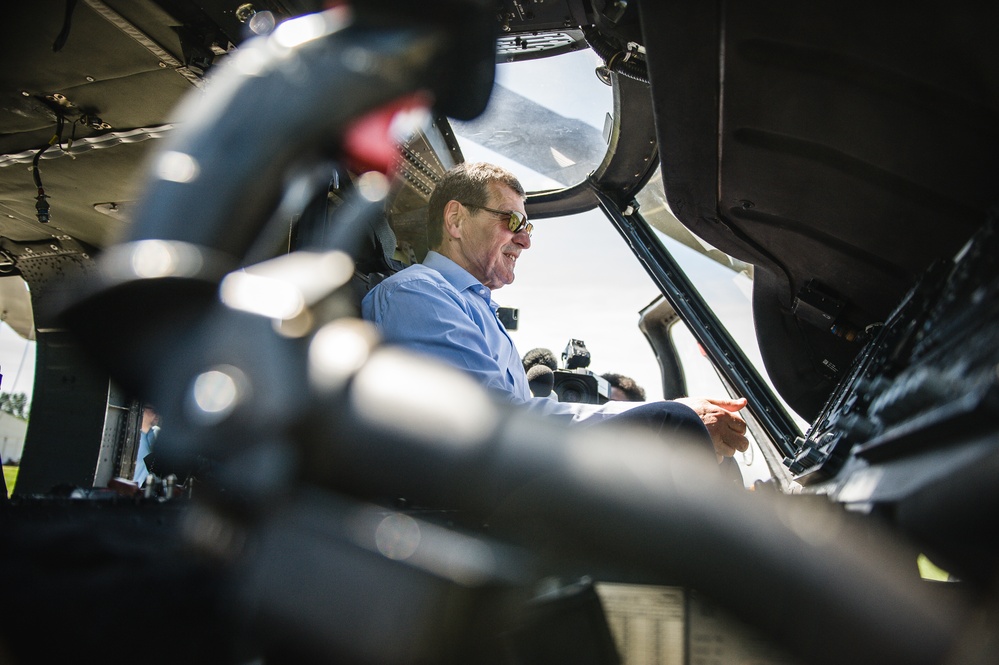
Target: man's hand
{"x":725,"y":425}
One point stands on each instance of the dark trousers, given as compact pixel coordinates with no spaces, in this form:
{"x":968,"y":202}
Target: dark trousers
{"x":667,"y":418}
{"x":675,"y":421}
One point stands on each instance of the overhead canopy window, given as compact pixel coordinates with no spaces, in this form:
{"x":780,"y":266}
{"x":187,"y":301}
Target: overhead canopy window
{"x":545,"y":120}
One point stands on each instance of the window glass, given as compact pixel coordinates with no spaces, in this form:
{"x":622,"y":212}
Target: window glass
{"x":17,"y":367}
{"x":703,"y":380}
{"x":547,"y":115}
{"x":725,"y":283}
{"x":580,"y":281}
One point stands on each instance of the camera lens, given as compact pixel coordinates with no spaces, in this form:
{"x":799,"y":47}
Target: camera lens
{"x":576,"y":388}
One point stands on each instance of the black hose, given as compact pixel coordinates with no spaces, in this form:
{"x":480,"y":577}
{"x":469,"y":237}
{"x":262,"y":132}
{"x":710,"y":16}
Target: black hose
{"x":41,"y":200}
{"x":35,"y":173}
{"x":67,"y":23}
{"x":619,"y":501}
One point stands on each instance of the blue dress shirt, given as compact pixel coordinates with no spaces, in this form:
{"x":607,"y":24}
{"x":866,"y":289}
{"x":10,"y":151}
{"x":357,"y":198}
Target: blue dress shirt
{"x":439,"y":309}
{"x":146,"y":442}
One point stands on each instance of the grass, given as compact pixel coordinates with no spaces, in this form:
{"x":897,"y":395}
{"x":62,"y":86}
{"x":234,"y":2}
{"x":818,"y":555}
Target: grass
{"x":930,"y":571}
{"x":10,"y":477}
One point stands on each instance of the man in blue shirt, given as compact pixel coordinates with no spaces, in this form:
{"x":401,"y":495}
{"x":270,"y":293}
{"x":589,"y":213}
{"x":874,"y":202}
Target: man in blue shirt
{"x":444,"y":308}
{"x":147,"y":440}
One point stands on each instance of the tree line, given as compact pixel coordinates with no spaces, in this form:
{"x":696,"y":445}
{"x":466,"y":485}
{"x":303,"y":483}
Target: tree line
{"x":15,"y":404}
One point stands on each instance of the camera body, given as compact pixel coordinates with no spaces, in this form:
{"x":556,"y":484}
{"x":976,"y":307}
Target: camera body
{"x":575,"y":383}
{"x":576,"y":355}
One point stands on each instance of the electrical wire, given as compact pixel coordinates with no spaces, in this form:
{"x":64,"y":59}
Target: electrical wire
{"x":67,"y":24}
{"x":41,"y":202}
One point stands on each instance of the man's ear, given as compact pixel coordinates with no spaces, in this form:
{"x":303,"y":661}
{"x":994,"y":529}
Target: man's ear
{"x":453,"y":218}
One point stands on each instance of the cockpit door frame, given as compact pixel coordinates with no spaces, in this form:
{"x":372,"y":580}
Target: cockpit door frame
{"x":725,"y":354}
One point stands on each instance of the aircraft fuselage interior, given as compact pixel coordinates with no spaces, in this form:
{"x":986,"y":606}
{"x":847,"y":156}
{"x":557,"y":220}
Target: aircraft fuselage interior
{"x":196,"y":195}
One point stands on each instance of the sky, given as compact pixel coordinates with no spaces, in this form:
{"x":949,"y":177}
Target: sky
{"x":17,"y":362}
{"x":579,"y":281}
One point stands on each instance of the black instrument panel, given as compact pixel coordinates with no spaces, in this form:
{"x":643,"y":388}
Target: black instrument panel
{"x":912,"y":430}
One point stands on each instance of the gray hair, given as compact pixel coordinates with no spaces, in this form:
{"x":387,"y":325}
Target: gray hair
{"x":468,"y":183}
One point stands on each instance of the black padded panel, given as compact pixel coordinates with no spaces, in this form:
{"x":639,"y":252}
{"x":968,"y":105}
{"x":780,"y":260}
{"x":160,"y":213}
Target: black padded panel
{"x":849,"y":146}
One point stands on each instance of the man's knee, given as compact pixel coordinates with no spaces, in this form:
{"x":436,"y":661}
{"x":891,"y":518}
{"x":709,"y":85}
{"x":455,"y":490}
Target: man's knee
{"x":669,"y":418}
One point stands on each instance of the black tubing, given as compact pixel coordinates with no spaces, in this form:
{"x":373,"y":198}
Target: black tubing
{"x":618,"y":501}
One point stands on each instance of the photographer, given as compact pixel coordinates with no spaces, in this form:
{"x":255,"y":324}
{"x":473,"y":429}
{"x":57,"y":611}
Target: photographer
{"x":444,"y":308}
{"x":148,"y":431}
{"x":623,"y":388}
{"x":573,"y":382}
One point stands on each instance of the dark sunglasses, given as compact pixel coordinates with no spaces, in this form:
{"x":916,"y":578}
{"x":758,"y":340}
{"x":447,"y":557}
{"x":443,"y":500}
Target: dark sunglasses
{"x":516,"y":221}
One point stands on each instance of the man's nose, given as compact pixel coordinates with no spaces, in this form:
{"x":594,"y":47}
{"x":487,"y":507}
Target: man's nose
{"x":522,"y":238}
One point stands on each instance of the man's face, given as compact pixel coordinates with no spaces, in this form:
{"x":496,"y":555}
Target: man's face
{"x":489,"y":249}
{"x":149,"y":418}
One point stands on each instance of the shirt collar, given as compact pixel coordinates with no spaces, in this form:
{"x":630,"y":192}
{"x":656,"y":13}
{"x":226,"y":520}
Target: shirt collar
{"x":458,"y":277}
